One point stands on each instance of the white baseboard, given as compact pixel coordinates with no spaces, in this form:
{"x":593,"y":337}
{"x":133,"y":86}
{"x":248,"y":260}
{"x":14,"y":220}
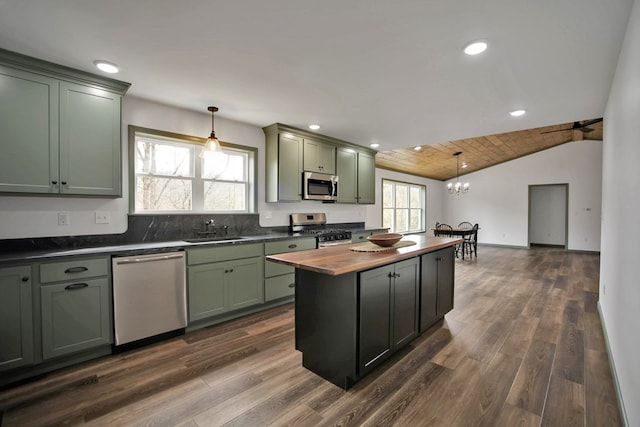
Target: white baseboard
{"x":614,"y":374}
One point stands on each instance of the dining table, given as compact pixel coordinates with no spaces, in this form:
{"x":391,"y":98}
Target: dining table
{"x":462,"y":232}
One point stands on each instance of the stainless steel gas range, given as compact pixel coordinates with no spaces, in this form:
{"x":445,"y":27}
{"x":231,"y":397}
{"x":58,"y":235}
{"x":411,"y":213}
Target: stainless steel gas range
{"x":316,"y":224}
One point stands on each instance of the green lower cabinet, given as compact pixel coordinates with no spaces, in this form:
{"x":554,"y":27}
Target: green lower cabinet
{"x":75,"y":316}
{"x":207,"y":290}
{"x":279,"y":286}
{"x":280,"y":281}
{"x":245,"y":282}
{"x":16,"y":318}
{"x":219,"y":287}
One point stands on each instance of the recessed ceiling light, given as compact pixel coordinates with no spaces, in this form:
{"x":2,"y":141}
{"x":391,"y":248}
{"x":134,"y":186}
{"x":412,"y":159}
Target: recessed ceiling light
{"x":464,"y":165}
{"x":107,"y":67}
{"x":314,"y":127}
{"x":418,"y":148}
{"x":475,"y":48}
{"x":518,"y":113}
{"x":374,"y":145}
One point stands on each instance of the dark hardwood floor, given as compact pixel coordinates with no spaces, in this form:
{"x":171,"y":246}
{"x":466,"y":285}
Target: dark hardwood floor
{"x":523,"y":346}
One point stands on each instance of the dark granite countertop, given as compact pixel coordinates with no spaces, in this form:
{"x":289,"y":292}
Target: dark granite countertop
{"x":26,"y":256}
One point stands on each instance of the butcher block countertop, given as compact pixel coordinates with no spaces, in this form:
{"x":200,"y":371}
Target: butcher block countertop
{"x":337,"y":260}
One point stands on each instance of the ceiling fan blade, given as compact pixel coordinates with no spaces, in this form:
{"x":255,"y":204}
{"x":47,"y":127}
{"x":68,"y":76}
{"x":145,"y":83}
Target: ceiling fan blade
{"x":583,"y":127}
{"x":557,"y":130}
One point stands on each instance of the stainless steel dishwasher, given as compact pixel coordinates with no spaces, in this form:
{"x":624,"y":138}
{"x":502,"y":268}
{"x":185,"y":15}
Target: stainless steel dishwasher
{"x":149,"y":295}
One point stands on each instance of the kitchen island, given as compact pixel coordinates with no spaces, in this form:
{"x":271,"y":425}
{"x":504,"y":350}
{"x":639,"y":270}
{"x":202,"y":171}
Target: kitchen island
{"x":355,"y":309}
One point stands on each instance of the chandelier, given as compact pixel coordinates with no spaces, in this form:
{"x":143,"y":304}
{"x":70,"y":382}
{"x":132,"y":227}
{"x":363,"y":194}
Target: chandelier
{"x":457,"y":188}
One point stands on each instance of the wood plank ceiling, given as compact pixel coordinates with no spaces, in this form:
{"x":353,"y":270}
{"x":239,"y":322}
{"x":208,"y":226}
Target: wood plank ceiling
{"x":437,"y":161}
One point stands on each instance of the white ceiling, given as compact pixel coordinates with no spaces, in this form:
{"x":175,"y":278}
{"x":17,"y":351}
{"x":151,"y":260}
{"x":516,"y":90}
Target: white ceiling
{"x":391,"y":72}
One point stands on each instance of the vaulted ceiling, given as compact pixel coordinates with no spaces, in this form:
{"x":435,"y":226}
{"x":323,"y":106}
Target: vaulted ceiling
{"x":367,"y":71}
{"x":438,"y":161}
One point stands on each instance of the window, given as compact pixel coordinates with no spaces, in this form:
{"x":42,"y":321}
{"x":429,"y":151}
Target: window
{"x":173,"y":174}
{"x":403,"y":206}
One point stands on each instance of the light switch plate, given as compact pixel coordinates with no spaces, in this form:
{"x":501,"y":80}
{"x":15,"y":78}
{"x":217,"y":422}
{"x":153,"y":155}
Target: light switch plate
{"x":63,"y":218}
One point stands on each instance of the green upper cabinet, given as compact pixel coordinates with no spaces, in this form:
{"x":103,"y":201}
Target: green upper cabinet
{"x":319,"y":157}
{"x":290,"y":151}
{"x":89,"y":141}
{"x":28,"y":131}
{"x":356,"y":174}
{"x":283,"y":156}
{"x":366,"y":178}
{"x":60,"y":129}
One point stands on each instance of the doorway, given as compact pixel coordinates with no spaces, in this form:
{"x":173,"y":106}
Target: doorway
{"x":548,"y":219}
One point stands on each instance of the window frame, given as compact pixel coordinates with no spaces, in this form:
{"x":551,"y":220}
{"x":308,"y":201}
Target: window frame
{"x":423,"y":207}
{"x":198,"y":143}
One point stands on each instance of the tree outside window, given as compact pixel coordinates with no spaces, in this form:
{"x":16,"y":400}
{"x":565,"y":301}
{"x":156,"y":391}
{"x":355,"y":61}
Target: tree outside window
{"x":175,"y":175}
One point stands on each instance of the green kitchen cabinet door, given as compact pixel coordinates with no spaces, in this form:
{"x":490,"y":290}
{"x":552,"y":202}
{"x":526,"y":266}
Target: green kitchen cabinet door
{"x":28,"y":132}
{"x":289,"y":185}
{"x":319,"y":157}
{"x":90,"y":149}
{"x":207,"y":292}
{"x":347,"y":171}
{"x":356,"y":173}
{"x":245,"y":280}
{"x":366,"y":178}
{"x":16,"y":318}
{"x":76,"y":316}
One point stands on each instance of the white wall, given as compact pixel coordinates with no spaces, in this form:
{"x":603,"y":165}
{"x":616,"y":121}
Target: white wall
{"x":499,"y":196}
{"x":620,"y":253}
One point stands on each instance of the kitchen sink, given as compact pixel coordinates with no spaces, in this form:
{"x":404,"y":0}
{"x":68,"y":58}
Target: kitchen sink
{"x":215,"y":239}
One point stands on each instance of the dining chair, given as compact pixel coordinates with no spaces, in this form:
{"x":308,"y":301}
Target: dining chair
{"x":464,"y":225}
{"x":443,"y":230}
{"x":470,"y":242}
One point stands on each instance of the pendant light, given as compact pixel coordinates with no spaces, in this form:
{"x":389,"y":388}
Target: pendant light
{"x":212,"y":143}
{"x":457,"y":188}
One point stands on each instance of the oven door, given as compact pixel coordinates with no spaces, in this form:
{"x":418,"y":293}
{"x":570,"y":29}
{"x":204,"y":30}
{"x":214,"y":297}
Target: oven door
{"x":319,"y":186}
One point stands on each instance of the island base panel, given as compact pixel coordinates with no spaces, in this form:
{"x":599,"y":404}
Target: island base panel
{"x":326,"y":325}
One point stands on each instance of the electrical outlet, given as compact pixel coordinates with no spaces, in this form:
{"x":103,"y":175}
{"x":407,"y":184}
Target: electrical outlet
{"x":63,"y":218}
{"x":102,"y":218}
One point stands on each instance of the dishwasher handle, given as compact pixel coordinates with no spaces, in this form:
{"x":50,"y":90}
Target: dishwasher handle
{"x":147,"y":259}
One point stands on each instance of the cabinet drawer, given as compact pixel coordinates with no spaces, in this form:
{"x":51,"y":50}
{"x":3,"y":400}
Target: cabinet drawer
{"x":73,"y":269}
{"x":292,"y":245}
{"x":223,"y":253}
{"x":272,"y":269}
{"x":278,"y":287}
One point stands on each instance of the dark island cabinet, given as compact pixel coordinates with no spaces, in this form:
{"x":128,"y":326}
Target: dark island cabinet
{"x":436,"y":283}
{"x":348,"y":324}
{"x":388,"y":311}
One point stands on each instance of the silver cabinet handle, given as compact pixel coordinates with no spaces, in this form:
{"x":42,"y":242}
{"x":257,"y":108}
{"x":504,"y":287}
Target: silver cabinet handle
{"x":141,"y":260}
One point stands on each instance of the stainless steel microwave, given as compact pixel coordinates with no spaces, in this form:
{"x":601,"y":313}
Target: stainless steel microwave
{"x":319,"y":186}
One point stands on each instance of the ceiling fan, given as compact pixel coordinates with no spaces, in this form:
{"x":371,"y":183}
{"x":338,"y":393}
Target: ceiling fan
{"x":582,"y":127}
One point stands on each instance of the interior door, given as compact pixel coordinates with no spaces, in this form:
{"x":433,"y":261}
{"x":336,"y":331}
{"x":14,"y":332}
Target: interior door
{"x":548,"y":215}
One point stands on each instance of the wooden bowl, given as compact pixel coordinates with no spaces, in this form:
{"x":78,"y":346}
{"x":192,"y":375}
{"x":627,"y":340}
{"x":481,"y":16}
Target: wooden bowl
{"x":385,"y":239}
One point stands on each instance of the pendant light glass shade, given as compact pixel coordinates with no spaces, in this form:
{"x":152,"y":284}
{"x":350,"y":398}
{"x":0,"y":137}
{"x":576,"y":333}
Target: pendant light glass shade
{"x":212,"y":143}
